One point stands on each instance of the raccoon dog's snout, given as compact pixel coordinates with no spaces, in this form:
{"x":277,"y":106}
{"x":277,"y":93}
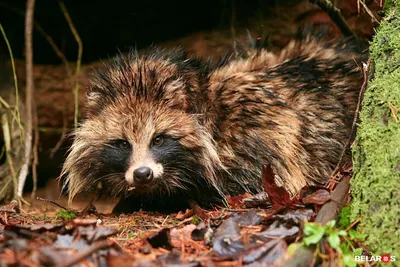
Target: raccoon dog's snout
{"x":143,"y":175}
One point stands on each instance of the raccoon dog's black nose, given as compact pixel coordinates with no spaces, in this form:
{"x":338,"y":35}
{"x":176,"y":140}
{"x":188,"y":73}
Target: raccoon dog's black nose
{"x":143,"y":175}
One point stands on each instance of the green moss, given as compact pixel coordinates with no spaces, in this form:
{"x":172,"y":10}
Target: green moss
{"x":66,"y":215}
{"x":376,"y":182}
{"x":344,"y":217}
{"x":131,"y":234}
{"x":196,"y":220}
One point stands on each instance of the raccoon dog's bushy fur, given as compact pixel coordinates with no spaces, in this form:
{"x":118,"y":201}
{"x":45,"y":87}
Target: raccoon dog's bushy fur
{"x":204,"y":130}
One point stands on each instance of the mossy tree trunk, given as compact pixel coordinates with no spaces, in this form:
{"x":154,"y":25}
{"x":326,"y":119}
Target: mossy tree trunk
{"x":376,"y":153}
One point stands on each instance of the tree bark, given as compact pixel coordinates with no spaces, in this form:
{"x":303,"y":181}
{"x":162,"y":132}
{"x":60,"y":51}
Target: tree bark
{"x":376,"y":182}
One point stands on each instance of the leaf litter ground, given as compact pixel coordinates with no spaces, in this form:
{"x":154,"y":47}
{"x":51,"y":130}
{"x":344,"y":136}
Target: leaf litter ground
{"x":254,"y":231}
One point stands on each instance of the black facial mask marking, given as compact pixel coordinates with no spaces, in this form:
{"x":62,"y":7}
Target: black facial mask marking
{"x":115,"y":155}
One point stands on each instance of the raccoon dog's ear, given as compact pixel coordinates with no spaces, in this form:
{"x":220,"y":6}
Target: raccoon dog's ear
{"x":101,"y":91}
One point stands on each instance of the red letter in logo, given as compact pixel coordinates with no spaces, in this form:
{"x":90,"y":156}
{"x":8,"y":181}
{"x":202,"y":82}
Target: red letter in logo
{"x":385,"y":258}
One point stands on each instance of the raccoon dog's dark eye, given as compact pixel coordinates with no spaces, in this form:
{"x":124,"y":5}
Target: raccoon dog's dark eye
{"x":157,"y":141}
{"x":123,"y":144}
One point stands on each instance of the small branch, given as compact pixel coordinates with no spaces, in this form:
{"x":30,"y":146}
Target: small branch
{"x":336,"y":16}
{"x":35,"y":149}
{"x":52,"y":202}
{"x":368,"y":11}
{"x":365,"y":70}
{"x":78,"y":63}
{"x":353,"y":223}
{"x":30,"y":7}
{"x":331,"y":209}
{"x":394,"y":110}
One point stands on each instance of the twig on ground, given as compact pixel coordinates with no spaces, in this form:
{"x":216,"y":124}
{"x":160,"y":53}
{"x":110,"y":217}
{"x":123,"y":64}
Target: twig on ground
{"x":30,"y":8}
{"x":185,"y":221}
{"x":52,"y":202}
{"x":353,"y":223}
{"x":219,"y":217}
{"x":240,"y":210}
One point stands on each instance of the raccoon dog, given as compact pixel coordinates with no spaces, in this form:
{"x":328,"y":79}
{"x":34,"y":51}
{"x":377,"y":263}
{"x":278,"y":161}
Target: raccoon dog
{"x":162,"y":128}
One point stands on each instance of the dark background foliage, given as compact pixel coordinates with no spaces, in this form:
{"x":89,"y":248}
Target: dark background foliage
{"x":108,"y":26}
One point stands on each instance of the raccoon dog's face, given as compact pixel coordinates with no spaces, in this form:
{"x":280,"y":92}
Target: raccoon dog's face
{"x":138,"y":136}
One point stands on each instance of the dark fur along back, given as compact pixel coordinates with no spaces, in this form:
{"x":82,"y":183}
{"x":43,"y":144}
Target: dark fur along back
{"x":205,"y":130}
